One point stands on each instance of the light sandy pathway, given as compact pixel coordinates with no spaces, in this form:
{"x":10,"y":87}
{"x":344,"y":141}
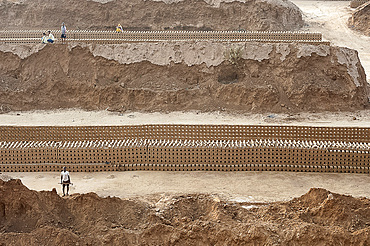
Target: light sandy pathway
{"x":85,"y":118}
{"x":330,"y":18}
{"x":238,"y":186}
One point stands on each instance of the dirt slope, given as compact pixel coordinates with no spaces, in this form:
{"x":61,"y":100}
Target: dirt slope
{"x":360,"y":19}
{"x":44,"y":218}
{"x":193,"y":76}
{"x":331,"y":19}
{"x":151,"y":15}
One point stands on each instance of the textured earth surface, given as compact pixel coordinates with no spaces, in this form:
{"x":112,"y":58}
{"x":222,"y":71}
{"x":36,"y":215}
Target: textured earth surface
{"x":44,"y":218}
{"x":171,"y":77}
{"x":181,"y":77}
{"x":360,"y":19}
{"x":141,"y":15}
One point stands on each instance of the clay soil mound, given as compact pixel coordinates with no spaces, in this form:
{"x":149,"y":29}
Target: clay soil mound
{"x":170,"y":77}
{"x":151,"y":15}
{"x":360,"y":19}
{"x":44,"y":218}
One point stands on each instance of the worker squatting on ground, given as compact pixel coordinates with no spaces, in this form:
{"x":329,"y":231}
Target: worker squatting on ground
{"x":119,"y":28}
{"x":65,"y":180}
{"x":51,"y":37}
{"x":47,"y":39}
{"x":44,"y":39}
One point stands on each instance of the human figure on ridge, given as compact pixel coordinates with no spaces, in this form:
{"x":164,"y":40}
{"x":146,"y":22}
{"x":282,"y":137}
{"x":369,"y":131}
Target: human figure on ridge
{"x":65,"y":180}
{"x":63,"y":29}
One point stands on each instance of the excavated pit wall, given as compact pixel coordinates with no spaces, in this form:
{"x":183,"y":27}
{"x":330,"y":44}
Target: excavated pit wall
{"x":28,"y":217}
{"x":359,"y":20}
{"x":173,"y":76}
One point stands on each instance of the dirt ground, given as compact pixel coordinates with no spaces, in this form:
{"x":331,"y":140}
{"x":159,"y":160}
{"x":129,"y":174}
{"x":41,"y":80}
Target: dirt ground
{"x":283,"y":78}
{"x":169,"y":77}
{"x":319,"y":217}
{"x":231,"y":186}
{"x":331,"y":19}
{"x":187,"y":208}
{"x":151,"y":15}
{"x":360,"y":19}
{"x":98,"y":118}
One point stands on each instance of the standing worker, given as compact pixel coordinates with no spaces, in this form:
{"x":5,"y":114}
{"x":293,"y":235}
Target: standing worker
{"x":64,"y":31}
{"x":65,"y":180}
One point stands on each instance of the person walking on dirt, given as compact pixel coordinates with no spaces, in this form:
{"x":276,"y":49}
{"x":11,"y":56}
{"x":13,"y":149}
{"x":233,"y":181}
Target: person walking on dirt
{"x":51,"y":37}
{"x":65,"y":180}
{"x":64,"y":31}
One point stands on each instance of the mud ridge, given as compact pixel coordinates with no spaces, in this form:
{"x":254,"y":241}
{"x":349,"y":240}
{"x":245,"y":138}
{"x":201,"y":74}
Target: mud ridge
{"x":30,"y":217}
{"x":263,"y":78}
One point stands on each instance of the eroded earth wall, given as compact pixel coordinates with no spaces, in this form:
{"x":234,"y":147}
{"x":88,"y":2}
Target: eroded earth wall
{"x":151,"y":15}
{"x":29,"y":217}
{"x":170,"y":76}
{"x":360,"y":19}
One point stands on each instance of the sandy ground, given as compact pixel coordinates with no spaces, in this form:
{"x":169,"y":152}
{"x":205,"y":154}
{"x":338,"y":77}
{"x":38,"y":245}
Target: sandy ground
{"x":331,"y":18}
{"x":86,"y":118}
{"x":233,"y":186}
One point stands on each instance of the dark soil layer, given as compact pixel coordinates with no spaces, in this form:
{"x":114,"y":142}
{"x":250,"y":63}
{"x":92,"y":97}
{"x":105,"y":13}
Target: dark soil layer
{"x":44,"y":218}
{"x":150,"y":15}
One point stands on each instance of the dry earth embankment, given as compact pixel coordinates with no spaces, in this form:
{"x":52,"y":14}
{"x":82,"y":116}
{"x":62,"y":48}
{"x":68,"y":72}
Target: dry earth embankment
{"x":44,"y":218}
{"x":360,"y":19}
{"x":174,"y":76}
{"x":254,"y":15}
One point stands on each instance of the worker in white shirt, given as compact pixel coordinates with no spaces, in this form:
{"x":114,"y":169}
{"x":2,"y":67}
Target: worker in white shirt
{"x":65,"y":180}
{"x":51,"y":37}
{"x":44,"y":39}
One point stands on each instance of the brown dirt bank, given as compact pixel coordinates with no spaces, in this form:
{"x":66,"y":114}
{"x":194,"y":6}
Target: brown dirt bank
{"x":267,"y":77}
{"x":44,"y":218}
{"x":361,"y":18}
{"x":151,"y":15}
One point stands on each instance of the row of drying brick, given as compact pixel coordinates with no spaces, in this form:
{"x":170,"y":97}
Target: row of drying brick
{"x":167,"y":35}
{"x":184,"y":132}
{"x":101,"y":167}
{"x":189,"y":156}
{"x":122,"y":41}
